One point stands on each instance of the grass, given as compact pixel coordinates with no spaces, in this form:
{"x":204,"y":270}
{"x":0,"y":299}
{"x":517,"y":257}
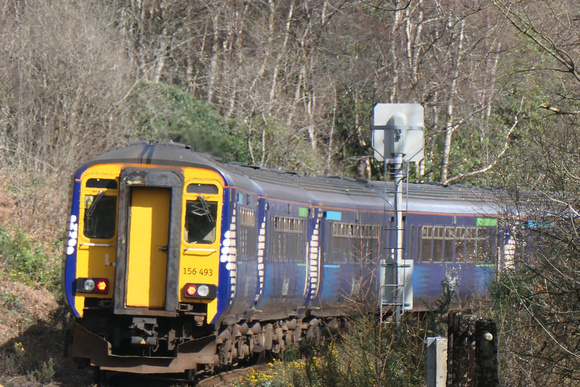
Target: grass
{"x":26,"y":260}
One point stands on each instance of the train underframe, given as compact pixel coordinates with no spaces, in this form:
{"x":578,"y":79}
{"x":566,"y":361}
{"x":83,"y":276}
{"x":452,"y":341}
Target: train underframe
{"x":184,"y":344}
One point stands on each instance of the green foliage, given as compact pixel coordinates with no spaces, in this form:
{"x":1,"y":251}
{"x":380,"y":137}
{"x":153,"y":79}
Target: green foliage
{"x":523,"y":155}
{"x":509,"y":289}
{"x":164,"y":112}
{"x":279,"y":374}
{"x":25,"y":259}
{"x":12,"y":362}
{"x":43,"y":375}
{"x":273,"y":144}
{"x":352,"y":126}
{"x":537,"y":311}
{"x":366,"y":354}
{"x":10,"y":301}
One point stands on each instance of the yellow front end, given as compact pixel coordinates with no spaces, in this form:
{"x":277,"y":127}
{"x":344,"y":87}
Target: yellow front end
{"x":155,"y":220}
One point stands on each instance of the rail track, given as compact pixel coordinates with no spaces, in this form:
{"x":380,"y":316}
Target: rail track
{"x":226,"y":379}
{"x":222,"y":379}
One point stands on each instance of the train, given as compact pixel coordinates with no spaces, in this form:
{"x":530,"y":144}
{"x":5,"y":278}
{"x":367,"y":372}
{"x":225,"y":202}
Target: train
{"x":179,"y":263}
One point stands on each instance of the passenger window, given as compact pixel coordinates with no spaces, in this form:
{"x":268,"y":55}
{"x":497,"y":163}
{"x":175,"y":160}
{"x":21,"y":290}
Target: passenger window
{"x":438,"y":239}
{"x":247,"y":248}
{"x":426,"y":239}
{"x":200,"y":221}
{"x":460,"y":236}
{"x":411,"y":243}
{"x":287,"y":240}
{"x":486,"y":244}
{"x":470,"y":244}
{"x":100,"y":216}
{"x":449,"y":244}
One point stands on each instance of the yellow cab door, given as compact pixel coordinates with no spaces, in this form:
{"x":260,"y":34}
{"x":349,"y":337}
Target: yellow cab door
{"x":147,"y":247}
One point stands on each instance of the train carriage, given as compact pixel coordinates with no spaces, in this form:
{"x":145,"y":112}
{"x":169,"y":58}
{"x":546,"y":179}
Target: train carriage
{"x":176,"y":262}
{"x":452,"y":236}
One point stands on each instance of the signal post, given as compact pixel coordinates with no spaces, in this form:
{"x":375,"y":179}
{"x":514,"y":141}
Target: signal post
{"x":398,"y":140}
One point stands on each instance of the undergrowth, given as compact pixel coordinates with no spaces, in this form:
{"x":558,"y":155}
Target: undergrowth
{"x":367,"y":353}
{"x":14,"y":362}
{"x":25,"y":259}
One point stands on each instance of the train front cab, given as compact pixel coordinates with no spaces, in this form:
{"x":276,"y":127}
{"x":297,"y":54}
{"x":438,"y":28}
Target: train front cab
{"x":142,"y":271}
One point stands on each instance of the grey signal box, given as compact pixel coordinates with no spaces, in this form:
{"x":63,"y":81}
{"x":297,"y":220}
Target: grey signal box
{"x":398,"y":130}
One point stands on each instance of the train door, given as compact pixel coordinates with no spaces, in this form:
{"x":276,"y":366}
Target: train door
{"x":147,"y":247}
{"x":149,"y":241}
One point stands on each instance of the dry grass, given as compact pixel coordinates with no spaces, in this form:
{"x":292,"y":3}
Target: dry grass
{"x":32,"y":339}
{"x":31,"y":317}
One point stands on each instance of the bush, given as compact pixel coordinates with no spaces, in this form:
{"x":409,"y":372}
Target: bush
{"x":367,"y":353}
{"x":165,"y":112}
{"x":25,"y":259}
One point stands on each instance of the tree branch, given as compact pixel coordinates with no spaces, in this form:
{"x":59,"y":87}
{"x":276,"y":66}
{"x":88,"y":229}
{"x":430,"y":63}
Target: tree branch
{"x":499,"y":156}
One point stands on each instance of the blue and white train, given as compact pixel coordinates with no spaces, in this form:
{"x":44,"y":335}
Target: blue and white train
{"x":178,"y":263}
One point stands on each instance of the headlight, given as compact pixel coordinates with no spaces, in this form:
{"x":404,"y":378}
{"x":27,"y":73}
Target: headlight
{"x":203,"y":291}
{"x":89,"y":285}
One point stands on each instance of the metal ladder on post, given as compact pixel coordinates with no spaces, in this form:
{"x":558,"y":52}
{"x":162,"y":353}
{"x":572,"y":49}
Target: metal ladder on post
{"x":395,"y":271}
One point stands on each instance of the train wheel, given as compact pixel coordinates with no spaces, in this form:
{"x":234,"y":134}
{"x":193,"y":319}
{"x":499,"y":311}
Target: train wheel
{"x":255,"y":358}
{"x":226,"y":355}
{"x":101,"y":378}
{"x":191,"y":377}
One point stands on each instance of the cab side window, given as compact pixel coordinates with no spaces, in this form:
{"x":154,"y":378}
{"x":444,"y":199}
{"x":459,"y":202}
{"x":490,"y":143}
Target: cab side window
{"x":100,"y":210}
{"x":201,"y":214}
{"x":200,"y":221}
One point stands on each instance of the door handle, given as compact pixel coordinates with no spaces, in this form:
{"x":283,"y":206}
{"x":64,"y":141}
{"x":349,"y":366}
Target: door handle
{"x":163,"y":248}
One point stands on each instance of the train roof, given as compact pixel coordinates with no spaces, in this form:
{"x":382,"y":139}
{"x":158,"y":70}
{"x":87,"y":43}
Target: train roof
{"x":315,"y":190}
{"x":321,"y":191}
{"x":166,"y":153}
{"x":447,"y":199}
{"x":145,"y":153}
{"x":364,"y":194}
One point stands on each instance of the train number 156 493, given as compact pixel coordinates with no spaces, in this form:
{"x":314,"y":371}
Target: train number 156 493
{"x":196,"y":271}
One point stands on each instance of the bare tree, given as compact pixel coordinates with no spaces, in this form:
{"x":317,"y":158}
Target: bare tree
{"x":447,"y":59}
{"x":541,"y":316}
{"x":63,"y":74}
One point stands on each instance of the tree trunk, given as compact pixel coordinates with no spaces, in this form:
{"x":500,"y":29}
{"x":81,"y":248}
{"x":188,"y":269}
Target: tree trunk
{"x":450,"y":126}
